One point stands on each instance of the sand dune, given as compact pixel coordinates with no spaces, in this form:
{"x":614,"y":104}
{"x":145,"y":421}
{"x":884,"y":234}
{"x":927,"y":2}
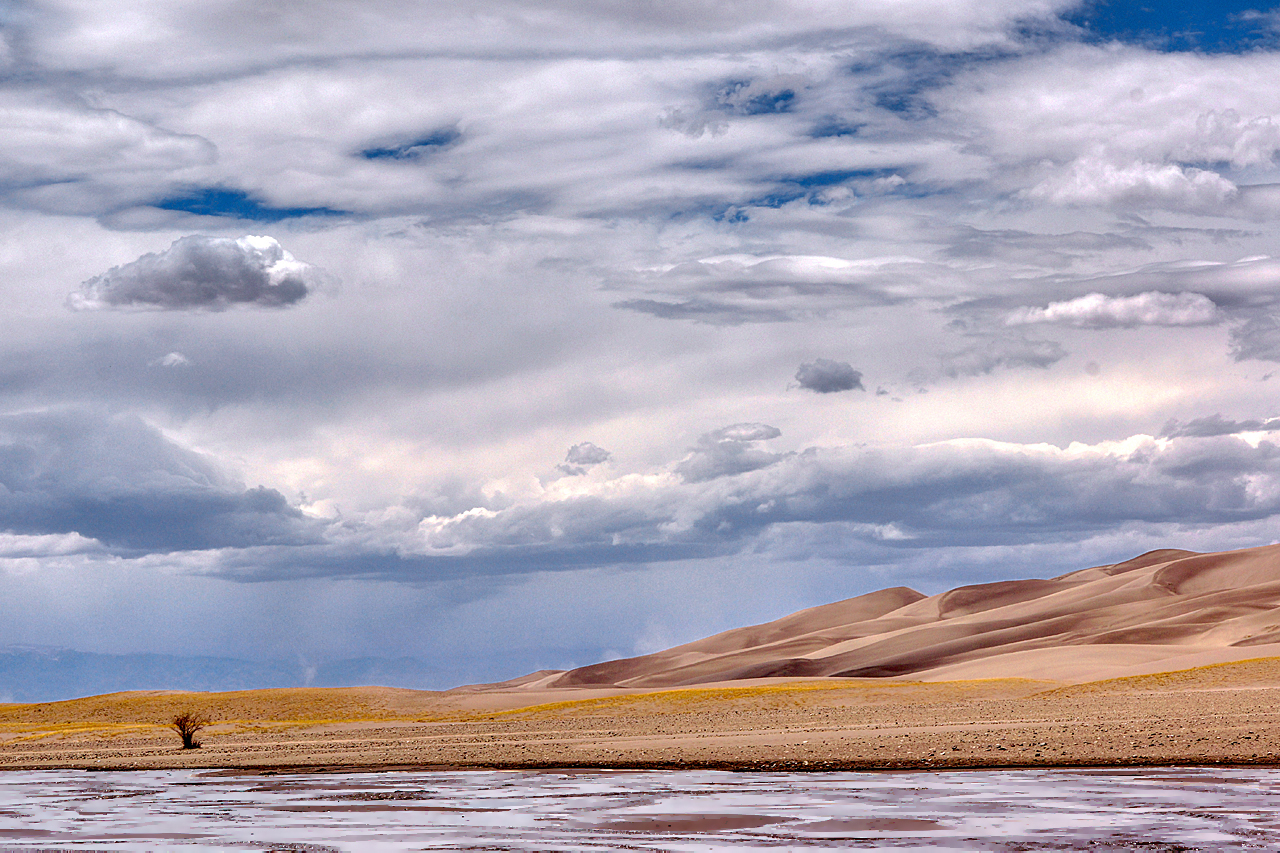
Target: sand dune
{"x":1161,"y":611}
{"x":1169,"y":658}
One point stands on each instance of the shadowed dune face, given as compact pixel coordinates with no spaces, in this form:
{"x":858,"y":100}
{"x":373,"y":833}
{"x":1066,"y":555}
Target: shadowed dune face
{"x":1166,"y":609}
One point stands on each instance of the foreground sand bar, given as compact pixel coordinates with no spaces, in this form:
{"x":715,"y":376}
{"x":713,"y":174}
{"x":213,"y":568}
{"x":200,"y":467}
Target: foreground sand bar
{"x":1223,"y":714}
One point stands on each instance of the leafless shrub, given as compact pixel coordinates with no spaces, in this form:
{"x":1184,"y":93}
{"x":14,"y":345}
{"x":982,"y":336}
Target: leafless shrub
{"x":186,"y":725}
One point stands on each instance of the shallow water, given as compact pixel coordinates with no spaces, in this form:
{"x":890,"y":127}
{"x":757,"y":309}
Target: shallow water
{"x":1023,"y":810}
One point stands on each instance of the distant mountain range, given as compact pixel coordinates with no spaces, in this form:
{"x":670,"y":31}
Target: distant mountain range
{"x":40,"y":674}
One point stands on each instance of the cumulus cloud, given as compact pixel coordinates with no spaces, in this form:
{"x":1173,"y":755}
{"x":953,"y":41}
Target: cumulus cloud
{"x":827,"y":377}
{"x":211,"y":273}
{"x":119,"y":481}
{"x":586,"y":453}
{"x":964,"y":492}
{"x":1098,"y":311}
{"x":1094,"y":180}
{"x":1224,"y":136}
{"x":581,"y":457}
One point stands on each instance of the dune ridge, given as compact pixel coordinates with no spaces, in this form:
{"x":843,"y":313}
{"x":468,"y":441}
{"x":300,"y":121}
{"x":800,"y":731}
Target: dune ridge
{"x":1166,"y":609}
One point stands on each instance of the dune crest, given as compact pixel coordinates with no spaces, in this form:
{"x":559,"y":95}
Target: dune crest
{"x":1164,"y":610}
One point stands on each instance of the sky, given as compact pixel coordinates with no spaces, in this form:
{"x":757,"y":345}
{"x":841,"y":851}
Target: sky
{"x":522,"y":334}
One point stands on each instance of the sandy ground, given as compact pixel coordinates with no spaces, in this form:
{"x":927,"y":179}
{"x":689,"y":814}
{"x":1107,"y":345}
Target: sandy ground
{"x":1220,"y":714}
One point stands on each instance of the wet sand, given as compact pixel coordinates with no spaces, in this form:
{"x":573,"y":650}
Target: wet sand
{"x":1226,"y":714}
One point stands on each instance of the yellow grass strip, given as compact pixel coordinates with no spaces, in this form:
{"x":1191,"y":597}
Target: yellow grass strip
{"x":1255,"y":672}
{"x":690,"y":699}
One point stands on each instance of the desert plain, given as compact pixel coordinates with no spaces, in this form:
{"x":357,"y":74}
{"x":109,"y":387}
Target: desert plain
{"x":1170,"y":658}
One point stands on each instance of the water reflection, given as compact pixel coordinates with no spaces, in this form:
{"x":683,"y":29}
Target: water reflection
{"x":1160,"y":809}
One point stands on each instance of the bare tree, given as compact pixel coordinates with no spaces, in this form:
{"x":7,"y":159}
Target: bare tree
{"x":186,"y":725}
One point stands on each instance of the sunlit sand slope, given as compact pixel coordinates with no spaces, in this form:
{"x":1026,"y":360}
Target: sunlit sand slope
{"x":1161,"y":611}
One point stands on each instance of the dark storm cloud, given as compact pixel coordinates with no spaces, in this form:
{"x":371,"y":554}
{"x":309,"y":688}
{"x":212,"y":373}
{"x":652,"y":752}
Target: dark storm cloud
{"x":1217,"y":425}
{"x":197,"y":272}
{"x":119,"y":481}
{"x":828,"y":377}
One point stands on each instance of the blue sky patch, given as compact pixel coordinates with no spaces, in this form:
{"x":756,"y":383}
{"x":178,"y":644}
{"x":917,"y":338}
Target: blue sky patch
{"x":753,"y":98}
{"x":413,"y":149}
{"x":215,"y":201}
{"x":834,"y":126}
{"x":1223,"y":26}
{"x":828,"y":179}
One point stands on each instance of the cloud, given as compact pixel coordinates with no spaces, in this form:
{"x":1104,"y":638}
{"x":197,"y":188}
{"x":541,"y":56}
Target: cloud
{"x":227,"y":37}
{"x":983,"y":358}
{"x":119,"y":481}
{"x":711,"y":312}
{"x":1095,"y":180}
{"x":1257,"y":338}
{"x":57,"y":154}
{"x":973,"y":493}
{"x":581,"y":457}
{"x":1098,"y":311}
{"x":728,"y":450}
{"x":730,"y":290}
{"x":173,"y":359}
{"x":586,"y":453}
{"x":1227,"y":137}
{"x":760,"y":96}
{"x":211,"y":273}
{"x":827,"y":377}
{"x":1216,"y":425}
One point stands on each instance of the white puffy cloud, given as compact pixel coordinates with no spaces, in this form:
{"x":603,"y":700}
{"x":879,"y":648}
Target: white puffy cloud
{"x":1098,"y":311}
{"x":1227,"y":137}
{"x":211,"y":273}
{"x":1097,"y":180}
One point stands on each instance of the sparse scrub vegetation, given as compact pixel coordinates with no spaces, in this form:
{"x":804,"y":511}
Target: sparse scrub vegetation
{"x":187,"y":724}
